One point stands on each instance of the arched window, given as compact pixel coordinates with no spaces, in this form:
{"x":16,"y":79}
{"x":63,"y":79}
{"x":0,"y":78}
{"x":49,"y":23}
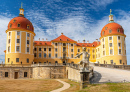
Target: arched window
{"x":28,"y":27}
{"x":18,"y":25}
{"x":56,"y":62}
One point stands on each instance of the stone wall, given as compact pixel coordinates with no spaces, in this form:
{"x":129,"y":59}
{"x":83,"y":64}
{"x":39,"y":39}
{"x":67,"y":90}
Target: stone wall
{"x":15,"y":72}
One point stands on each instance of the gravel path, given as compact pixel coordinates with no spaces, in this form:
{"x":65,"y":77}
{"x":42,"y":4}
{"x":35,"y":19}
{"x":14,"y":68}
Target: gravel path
{"x":65,"y":86}
{"x":103,"y":74}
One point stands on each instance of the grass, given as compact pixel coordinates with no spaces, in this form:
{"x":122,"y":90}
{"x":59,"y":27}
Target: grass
{"x":29,"y":85}
{"x":106,"y":87}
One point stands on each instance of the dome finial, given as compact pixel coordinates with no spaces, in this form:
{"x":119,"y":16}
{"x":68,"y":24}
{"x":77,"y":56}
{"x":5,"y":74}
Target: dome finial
{"x":111,"y":17}
{"x":21,"y":10}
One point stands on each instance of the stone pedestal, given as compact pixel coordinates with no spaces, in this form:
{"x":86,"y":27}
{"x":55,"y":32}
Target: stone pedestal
{"x":84,"y":75}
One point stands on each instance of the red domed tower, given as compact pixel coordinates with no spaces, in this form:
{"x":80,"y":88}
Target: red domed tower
{"x":20,"y":38}
{"x":113,"y":47}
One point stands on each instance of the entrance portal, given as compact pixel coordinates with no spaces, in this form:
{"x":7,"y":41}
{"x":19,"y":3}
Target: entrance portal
{"x":16,"y":75}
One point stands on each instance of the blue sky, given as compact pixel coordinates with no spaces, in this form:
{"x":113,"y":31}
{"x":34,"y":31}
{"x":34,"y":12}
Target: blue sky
{"x":77,"y":19}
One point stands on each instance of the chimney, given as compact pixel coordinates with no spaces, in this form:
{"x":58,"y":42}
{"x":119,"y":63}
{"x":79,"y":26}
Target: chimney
{"x":87,"y":41}
{"x":84,"y":41}
{"x":39,"y":39}
{"x":78,"y":41}
{"x":42,"y":39}
{"x":46,"y":39}
{"x":61,"y":33}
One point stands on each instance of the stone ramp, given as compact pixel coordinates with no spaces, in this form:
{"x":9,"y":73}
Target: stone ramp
{"x":65,"y":86}
{"x":103,"y":75}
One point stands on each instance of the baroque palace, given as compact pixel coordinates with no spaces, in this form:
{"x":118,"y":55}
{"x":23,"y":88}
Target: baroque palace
{"x":22,"y":49}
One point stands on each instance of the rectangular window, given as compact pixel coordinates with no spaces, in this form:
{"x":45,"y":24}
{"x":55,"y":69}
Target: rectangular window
{"x":93,"y":56}
{"x":103,"y":52}
{"x":55,"y":49}
{"x":44,"y":49}
{"x":103,"y":39}
{"x":8,"y":59}
{"x":27,"y":60}
{"x":18,"y":40}
{"x":64,"y":49}
{"x":49,"y":55}
{"x":27,"y":41}
{"x":71,"y":50}
{"x":119,"y":51}
{"x":64,"y":44}
{"x":25,"y":74}
{"x":71,"y":55}
{"x":35,"y":49}
{"x":103,"y":46}
{"x":120,"y":61}
{"x":39,"y":54}
{"x":78,"y":50}
{"x":56,"y":55}
{"x":17,"y":48}
{"x":111,"y":51}
{"x":119,"y":44}
{"x":71,"y":44}
{"x":28,"y":35}
{"x":110,"y":38}
{"x":55,"y":44}
{"x":35,"y":55}
{"x":6,"y":74}
{"x":27,"y":49}
{"x":40,"y":49}
{"x":18,"y":32}
{"x":9,"y":49}
{"x":44,"y":54}
{"x":110,"y":44}
{"x":93,"y":51}
{"x":9,"y":33}
{"x":9,"y":41}
{"x":111,"y":61}
{"x":17,"y":59}
{"x":49,"y":49}
{"x":98,"y":49}
{"x":88,"y":50}
{"x":118,"y":37}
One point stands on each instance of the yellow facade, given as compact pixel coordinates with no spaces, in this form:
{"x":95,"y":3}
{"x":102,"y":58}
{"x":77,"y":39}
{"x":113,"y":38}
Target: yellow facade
{"x":21,"y":48}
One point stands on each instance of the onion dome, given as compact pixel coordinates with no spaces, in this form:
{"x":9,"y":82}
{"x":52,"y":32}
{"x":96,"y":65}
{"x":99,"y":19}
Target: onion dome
{"x":112,"y":28}
{"x":20,"y":22}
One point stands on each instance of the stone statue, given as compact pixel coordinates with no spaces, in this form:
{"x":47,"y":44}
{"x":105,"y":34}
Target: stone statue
{"x":84,"y":63}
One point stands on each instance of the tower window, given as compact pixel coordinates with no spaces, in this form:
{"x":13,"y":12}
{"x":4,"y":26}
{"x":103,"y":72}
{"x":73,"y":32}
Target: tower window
{"x":8,"y":59}
{"x":118,"y":30}
{"x":120,"y":61}
{"x":18,"y":40}
{"x":9,"y":41}
{"x":111,"y":51}
{"x":18,"y":32}
{"x":103,"y":39}
{"x":18,"y":24}
{"x":119,"y":44}
{"x":28,"y":26}
{"x":17,"y":48}
{"x":110,"y":38}
{"x":28,"y":35}
{"x":110,"y":31}
{"x":103,"y":52}
{"x":118,"y":37}
{"x":27,"y":49}
{"x":110,"y":44}
{"x":10,"y":25}
{"x":119,"y":51}
{"x":14,"y":20}
{"x":9,"y":33}
{"x":27,"y":60}
{"x":17,"y":59}
{"x":103,"y":46}
{"x":9,"y":49}
{"x":27,"y":41}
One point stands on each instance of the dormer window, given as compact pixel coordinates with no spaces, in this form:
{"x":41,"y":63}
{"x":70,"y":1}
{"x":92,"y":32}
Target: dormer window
{"x":105,"y":28}
{"x":10,"y":25}
{"x":110,"y":30}
{"x":14,"y":20}
{"x":18,"y":25}
{"x":28,"y":26}
{"x":103,"y":33}
{"x":60,"y":39}
{"x":67,"y":39}
{"x":118,"y":30}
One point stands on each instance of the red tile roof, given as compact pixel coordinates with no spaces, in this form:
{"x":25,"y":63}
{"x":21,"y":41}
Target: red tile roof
{"x":94,"y":44}
{"x":48,"y":43}
{"x":64,"y":38}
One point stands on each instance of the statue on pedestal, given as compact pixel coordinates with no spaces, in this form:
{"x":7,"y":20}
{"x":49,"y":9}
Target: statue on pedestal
{"x":84,"y":63}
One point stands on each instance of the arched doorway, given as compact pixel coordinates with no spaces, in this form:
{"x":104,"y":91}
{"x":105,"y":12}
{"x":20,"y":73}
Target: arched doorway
{"x":56,"y":62}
